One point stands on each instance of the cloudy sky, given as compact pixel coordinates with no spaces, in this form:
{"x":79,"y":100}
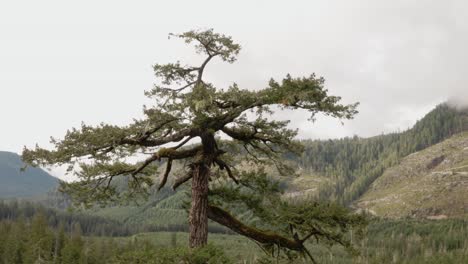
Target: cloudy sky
{"x":63,"y":62}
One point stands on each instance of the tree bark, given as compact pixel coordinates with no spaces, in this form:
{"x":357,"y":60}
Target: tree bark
{"x":198,"y":217}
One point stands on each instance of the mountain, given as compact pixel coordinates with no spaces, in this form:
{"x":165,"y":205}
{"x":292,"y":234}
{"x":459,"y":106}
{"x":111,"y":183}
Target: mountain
{"x":432,"y":183}
{"x":343,"y":169}
{"x":15,"y":183}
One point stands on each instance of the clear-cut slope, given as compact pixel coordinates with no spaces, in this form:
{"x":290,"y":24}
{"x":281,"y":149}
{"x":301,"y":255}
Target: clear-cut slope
{"x":16,"y":183}
{"x":432,"y":183}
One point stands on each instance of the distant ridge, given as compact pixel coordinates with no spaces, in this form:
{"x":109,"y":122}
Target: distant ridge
{"x":15,"y":183}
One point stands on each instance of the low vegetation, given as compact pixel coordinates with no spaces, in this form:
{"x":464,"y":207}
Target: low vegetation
{"x":31,"y":240}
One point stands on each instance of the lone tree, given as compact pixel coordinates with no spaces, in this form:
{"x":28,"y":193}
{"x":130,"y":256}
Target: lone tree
{"x":206,"y":128}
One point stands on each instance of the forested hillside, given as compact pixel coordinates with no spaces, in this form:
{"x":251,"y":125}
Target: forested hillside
{"x":17,"y":183}
{"x":346,"y":167}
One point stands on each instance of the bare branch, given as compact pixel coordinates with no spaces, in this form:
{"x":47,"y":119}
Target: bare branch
{"x":183,"y":143}
{"x":251,"y":154}
{"x":147,"y":162}
{"x":182,"y":180}
{"x":169,"y":153}
{"x":166,"y":174}
{"x":184,"y":87}
{"x":148,"y":133}
{"x":222,"y":165}
{"x":310,"y":255}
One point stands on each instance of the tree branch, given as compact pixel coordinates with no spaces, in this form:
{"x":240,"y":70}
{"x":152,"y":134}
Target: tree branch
{"x":176,"y":137}
{"x":166,"y":174}
{"x":224,"y":218}
{"x":182,"y":180}
{"x":222,"y":165}
{"x":148,"y":133}
{"x":169,"y":153}
{"x":183,"y":143}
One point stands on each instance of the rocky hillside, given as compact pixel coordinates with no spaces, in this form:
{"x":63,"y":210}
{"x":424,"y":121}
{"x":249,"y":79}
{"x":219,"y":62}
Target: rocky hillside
{"x":432,"y":183}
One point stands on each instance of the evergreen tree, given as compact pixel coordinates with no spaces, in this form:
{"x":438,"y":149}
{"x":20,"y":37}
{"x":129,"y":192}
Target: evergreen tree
{"x":72,"y":252}
{"x":59,"y":244}
{"x":186,"y":108}
{"x":40,"y":243}
{"x":14,"y":247}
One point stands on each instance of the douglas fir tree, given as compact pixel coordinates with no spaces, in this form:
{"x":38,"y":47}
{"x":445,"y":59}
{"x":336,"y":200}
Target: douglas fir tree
{"x":194,"y":123}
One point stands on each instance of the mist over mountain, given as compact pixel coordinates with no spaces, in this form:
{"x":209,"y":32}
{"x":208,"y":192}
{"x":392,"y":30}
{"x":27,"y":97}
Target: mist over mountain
{"x":16,"y":183}
{"x":459,"y":102}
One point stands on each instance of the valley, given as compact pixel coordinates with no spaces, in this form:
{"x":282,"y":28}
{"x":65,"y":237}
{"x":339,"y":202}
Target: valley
{"x":419,"y":174}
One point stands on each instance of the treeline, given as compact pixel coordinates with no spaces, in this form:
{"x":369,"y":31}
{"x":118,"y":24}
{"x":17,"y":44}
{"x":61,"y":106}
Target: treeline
{"x":354,"y":163}
{"x":32,"y":241}
{"x":25,"y":241}
{"x":89,"y":224}
{"x":405,"y":241}
{"x":413,"y":241}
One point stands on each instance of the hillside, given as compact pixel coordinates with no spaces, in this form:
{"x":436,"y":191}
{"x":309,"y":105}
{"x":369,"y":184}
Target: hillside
{"x":343,"y":169}
{"x":432,"y":183}
{"x":16,"y":183}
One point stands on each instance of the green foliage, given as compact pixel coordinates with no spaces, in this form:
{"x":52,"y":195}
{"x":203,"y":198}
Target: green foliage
{"x":39,"y":247}
{"x":72,"y":251}
{"x":90,"y":224}
{"x":37,"y":243}
{"x":15,"y":242}
{"x":414,"y":241}
{"x":208,"y":254}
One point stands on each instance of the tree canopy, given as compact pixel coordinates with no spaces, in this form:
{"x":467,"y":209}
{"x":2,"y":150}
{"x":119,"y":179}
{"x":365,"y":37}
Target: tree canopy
{"x":194,"y":123}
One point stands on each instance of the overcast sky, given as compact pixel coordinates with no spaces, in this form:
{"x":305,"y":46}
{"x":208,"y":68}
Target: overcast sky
{"x":63,"y":62}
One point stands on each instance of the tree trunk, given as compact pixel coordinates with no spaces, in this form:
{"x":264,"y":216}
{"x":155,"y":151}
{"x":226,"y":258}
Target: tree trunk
{"x":198,"y":218}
